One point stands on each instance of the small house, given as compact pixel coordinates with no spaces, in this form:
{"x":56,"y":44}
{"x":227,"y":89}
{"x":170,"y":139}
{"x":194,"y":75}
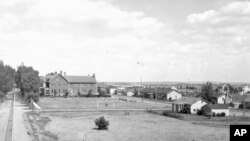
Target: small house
{"x":216,"y":109}
{"x":188,"y":105}
{"x":221,"y":98}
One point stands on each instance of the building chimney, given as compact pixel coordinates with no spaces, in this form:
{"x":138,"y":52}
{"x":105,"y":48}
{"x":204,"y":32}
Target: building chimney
{"x":93,"y":75}
{"x":61,"y":72}
{"x":64,"y":74}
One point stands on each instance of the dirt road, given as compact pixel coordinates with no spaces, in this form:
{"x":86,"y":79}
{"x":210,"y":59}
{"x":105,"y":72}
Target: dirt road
{"x":20,"y":132}
{"x":4,"y":116}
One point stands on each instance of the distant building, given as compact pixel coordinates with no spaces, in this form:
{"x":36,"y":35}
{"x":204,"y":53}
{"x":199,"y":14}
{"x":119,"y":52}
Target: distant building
{"x":247,"y":103}
{"x":161,"y":93}
{"x":191,"y":104}
{"x":58,"y":85}
{"x":221,"y":98}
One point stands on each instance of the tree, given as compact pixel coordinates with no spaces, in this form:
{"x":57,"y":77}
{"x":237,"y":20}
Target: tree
{"x":7,"y":77}
{"x":207,"y":91}
{"x":27,"y":79}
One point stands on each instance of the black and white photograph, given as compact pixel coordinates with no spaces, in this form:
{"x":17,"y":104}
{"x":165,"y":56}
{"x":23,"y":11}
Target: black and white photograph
{"x":124,"y":70}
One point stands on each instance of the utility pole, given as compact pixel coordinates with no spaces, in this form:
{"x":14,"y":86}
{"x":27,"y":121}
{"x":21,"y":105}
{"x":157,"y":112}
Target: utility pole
{"x":244,"y":100}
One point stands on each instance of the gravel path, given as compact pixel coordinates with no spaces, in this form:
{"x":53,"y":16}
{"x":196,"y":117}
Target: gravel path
{"x":4,"y":116}
{"x":20,"y":132}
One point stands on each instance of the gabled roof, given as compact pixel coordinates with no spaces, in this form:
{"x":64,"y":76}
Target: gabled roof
{"x":218,"y":106}
{"x":158,"y":90}
{"x":56,"y":75}
{"x":80,"y":79}
{"x":187,"y":100}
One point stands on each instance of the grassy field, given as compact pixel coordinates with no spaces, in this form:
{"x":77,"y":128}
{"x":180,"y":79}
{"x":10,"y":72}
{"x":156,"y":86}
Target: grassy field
{"x":91,"y":103}
{"x":135,"y":127}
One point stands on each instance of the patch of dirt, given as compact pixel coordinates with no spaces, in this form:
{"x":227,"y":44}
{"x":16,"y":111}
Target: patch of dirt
{"x":38,"y":123}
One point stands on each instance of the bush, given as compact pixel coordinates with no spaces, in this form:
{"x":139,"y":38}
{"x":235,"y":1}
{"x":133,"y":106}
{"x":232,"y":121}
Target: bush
{"x":218,"y":114}
{"x":2,"y":96}
{"x":223,"y":114}
{"x":214,"y":114}
{"x":200,"y":112}
{"x":32,"y":96}
{"x":102,"y":123}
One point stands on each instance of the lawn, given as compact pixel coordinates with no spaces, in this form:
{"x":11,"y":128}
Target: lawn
{"x":91,"y":103}
{"x":135,"y":127}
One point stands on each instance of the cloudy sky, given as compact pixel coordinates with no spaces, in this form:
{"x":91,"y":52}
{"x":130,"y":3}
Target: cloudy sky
{"x":125,"y":40}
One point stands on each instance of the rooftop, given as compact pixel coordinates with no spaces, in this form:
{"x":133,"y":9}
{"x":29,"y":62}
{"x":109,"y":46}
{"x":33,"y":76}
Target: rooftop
{"x":187,"y":100}
{"x":218,"y":106}
{"x":80,"y":79}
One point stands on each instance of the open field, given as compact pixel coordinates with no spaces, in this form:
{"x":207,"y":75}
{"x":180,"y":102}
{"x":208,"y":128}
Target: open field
{"x":94,"y":103}
{"x":141,"y":126}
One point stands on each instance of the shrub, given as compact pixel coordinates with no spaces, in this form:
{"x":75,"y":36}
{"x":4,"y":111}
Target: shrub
{"x":2,"y":96}
{"x":223,"y":114}
{"x":66,"y":94}
{"x":214,"y":114}
{"x":218,"y":114}
{"x":173,"y":115}
{"x":200,"y":112}
{"x":102,"y":123}
{"x":32,"y":96}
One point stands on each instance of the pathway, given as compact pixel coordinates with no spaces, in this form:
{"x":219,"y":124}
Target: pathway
{"x":20,"y":132}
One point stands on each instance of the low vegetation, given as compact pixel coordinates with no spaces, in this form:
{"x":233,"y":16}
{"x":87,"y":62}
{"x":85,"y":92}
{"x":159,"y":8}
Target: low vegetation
{"x":173,"y":115}
{"x":32,"y":97}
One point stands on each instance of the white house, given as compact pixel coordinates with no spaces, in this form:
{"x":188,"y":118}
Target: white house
{"x":220,"y":98}
{"x":218,"y":109}
{"x":130,"y":93}
{"x":245,"y":90}
{"x":173,"y":95}
{"x":192,"y":104}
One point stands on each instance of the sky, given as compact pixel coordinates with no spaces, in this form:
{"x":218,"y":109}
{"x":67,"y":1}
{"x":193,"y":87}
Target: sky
{"x":129,"y":40}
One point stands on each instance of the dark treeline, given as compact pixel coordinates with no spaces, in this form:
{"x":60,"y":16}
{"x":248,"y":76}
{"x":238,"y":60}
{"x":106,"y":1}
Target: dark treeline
{"x":25,"y":78}
{"x":7,"y":79}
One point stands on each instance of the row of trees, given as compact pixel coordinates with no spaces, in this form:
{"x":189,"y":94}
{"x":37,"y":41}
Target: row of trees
{"x":7,"y":79}
{"x":25,"y":78}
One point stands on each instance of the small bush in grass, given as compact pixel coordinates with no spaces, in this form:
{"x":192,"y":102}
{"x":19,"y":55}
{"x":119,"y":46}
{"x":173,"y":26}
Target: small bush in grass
{"x":102,"y":123}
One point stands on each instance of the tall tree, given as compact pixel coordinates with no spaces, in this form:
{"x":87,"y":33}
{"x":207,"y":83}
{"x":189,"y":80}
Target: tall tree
{"x":27,"y":79}
{"x":7,"y":77}
{"x":207,"y":91}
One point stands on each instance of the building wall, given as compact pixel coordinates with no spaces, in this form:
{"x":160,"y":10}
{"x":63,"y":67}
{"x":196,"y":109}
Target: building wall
{"x":216,"y":111}
{"x":247,"y":104}
{"x":221,"y":100}
{"x":58,"y":85}
{"x":83,"y":88}
{"x":174,"y":95}
{"x":197,"y":106}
